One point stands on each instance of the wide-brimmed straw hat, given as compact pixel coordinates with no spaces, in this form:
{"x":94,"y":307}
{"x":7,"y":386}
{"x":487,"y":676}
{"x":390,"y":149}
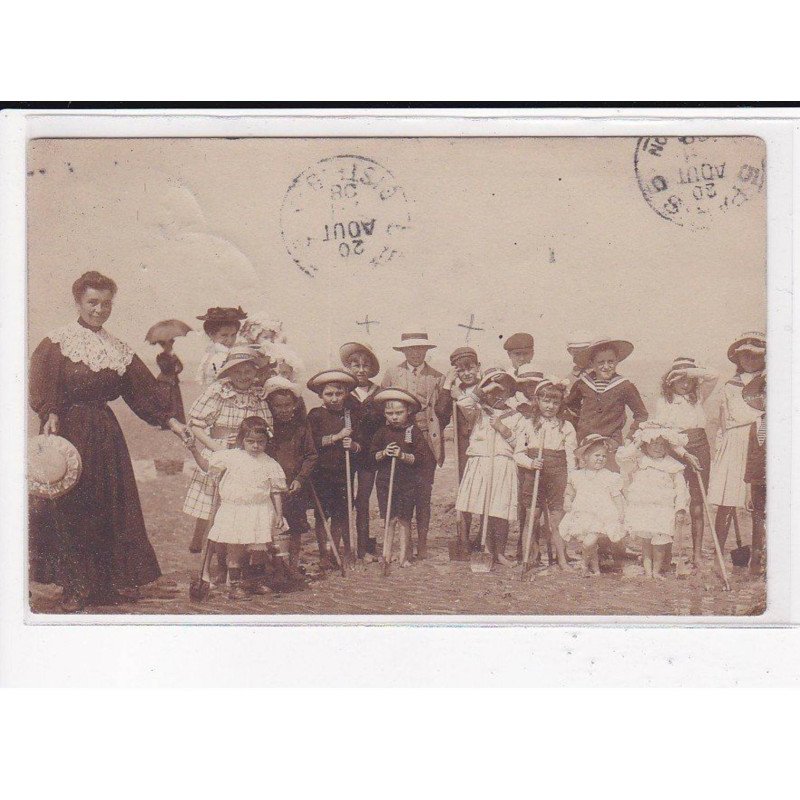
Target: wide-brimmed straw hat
{"x":413,"y":340}
{"x":54,"y":466}
{"x":590,"y":441}
{"x":393,"y":393}
{"x":319,"y":381}
{"x":278,"y":383}
{"x":497,"y":377}
{"x":757,"y":386}
{"x":685,"y":367}
{"x":751,"y":341}
{"x":578,"y":340}
{"x":583,"y":356}
{"x":651,"y":431}
{"x":351,"y":348}
{"x":242,"y":354}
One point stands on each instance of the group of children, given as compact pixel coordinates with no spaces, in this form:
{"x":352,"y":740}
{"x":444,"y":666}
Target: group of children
{"x":525,"y":444}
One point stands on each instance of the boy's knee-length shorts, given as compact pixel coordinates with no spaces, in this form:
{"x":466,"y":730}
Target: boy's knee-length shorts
{"x":552,"y":483}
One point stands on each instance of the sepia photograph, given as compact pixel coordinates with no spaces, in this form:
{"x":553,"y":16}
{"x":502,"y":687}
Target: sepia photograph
{"x":447,"y":377}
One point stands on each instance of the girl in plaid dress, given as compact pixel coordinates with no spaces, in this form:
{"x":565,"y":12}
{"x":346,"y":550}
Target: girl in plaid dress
{"x":214,"y":419}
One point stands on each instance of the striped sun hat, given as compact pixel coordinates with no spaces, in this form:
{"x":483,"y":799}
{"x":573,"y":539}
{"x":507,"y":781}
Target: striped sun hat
{"x":684,"y":366}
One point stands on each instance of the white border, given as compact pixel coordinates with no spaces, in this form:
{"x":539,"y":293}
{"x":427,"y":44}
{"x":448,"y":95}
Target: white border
{"x":779,"y":129}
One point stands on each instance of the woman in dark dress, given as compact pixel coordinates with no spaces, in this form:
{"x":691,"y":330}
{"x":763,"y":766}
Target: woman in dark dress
{"x":92,"y":541}
{"x":170,"y":366}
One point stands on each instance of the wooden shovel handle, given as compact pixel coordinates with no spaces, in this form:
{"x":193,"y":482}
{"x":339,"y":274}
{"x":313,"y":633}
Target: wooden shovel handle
{"x":526,"y":542}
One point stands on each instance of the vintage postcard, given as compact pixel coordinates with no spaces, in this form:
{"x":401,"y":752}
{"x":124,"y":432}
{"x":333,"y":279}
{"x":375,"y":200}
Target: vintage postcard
{"x":455,"y":377}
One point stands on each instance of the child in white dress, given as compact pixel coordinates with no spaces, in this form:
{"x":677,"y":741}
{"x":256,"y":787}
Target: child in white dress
{"x":726,"y":487}
{"x":657,"y":497}
{"x":684,"y":389}
{"x":251,"y":487}
{"x":485,"y":406}
{"x":593,"y":501}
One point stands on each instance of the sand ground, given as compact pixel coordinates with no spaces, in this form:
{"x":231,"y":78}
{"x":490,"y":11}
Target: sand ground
{"x":434,"y":586}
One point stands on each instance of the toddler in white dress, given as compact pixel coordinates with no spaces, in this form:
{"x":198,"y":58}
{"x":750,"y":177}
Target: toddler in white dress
{"x":251,"y":485}
{"x":657,"y":497}
{"x":593,"y":501}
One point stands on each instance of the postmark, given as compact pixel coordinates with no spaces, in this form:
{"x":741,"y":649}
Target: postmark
{"x":342,"y":213}
{"x":694,"y":180}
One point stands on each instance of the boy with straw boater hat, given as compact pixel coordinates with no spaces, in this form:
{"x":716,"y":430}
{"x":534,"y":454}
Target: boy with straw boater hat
{"x":600,"y":397}
{"x":332,"y":437}
{"x":363,"y":364}
{"x":399,"y":440}
{"x":416,"y":376}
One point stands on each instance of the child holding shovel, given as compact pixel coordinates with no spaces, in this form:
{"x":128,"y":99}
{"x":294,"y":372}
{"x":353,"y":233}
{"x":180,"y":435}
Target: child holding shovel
{"x":684,"y":389}
{"x":292,"y":446}
{"x":464,"y":373}
{"x":398,"y":447}
{"x":657,"y":498}
{"x":332,"y":439}
{"x":489,"y":488}
{"x":549,"y":434}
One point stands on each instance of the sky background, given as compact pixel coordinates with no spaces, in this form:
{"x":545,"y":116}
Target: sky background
{"x":544,"y":235}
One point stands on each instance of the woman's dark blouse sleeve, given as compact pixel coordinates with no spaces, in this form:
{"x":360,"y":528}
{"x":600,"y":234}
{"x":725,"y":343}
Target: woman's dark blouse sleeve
{"x":45,"y":384}
{"x":140,"y":391}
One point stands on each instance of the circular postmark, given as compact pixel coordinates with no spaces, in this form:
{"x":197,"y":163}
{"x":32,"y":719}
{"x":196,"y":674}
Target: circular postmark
{"x":344,"y":211}
{"x":691,"y":180}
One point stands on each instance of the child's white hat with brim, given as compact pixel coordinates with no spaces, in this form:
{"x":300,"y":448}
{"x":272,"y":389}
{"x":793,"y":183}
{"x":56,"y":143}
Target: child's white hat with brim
{"x":652,"y":431}
{"x":495,"y":377}
{"x":685,"y":367}
{"x":278,"y":383}
{"x":242,"y":354}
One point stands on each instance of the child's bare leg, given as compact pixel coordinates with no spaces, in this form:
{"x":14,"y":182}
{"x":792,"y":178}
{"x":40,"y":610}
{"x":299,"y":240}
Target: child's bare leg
{"x":586,"y":558}
{"x":403,"y":529}
{"x":595,"y":559}
{"x":558,"y":542}
{"x":698,"y":525}
{"x":647,"y":558}
{"x":499,"y":529}
{"x":721,"y":523}
{"x":659,"y":559}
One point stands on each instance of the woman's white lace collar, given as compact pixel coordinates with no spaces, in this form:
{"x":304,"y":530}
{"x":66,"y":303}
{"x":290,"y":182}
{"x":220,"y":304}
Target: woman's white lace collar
{"x":97,"y":349}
